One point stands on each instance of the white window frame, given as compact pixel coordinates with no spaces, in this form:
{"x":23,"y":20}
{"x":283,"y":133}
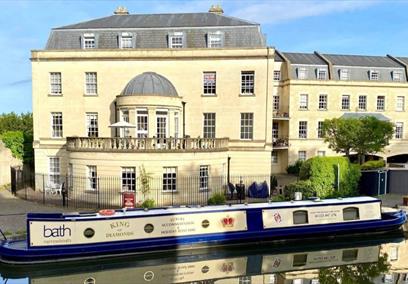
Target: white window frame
{"x":362,"y":102}
{"x":274,"y":157}
{"x":247,"y":126}
{"x":142,"y":123}
{"x":215,"y":40}
{"x":397,"y":76}
{"x":276,"y":103}
{"x":57,"y":130}
{"x":374,"y":75}
{"x":320,"y":129}
{"x":92,"y":124}
{"x":302,"y":155}
{"x":88,"y":41}
{"x":204,"y":177}
{"x":302,"y":73}
{"x":321,"y":153}
{"x":124,"y":40}
{"x":124,"y":116}
{"x":321,"y":74}
{"x":92,"y":177}
{"x":162,"y":124}
{"x":400,"y":103}
{"x":209,"y":124}
{"x":54,"y":169}
{"x":399,"y":130}
{"x":128,"y":174}
{"x":303,"y":129}
{"x":247,"y":83}
{"x":344,"y":74}
{"x":174,"y":40}
{"x":91,"y":83}
{"x":303,"y":101}
{"x":345,"y":101}
{"x":381,"y":103}
{"x":169,"y":179}
{"x":276,"y":75}
{"x":275,"y":130}
{"x":55,"y":83}
{"x":209,"y":84}
{"x":323,"y":101}
{"x":176,"y":125}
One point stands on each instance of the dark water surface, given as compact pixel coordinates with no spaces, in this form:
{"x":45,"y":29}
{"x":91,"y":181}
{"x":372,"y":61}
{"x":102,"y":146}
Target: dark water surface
{"x":379,"y":259}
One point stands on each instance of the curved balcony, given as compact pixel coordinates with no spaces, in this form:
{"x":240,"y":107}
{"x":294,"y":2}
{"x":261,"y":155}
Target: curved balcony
{"x":117,"y":144}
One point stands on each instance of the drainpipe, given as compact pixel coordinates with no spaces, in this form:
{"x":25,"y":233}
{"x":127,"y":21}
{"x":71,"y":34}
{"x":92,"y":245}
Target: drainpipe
{"x":184,"y":119}
{"x":116,"y":120}
{"x":228,"y":169}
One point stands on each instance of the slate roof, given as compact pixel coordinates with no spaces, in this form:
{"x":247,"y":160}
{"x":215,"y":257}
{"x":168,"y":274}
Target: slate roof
{"x":149,"y":83}
{"x":304,"y":58}
{"x":403,"y":59}
{"x":160,"y":21}
{"x":362,"y":60}
{"x":379,"y":116}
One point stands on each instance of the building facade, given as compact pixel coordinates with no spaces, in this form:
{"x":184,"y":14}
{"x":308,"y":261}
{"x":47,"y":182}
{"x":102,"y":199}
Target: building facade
{"x":197,"y":94}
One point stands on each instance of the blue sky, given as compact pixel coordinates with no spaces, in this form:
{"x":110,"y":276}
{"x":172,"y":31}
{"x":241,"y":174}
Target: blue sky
{"x":333,"y":26}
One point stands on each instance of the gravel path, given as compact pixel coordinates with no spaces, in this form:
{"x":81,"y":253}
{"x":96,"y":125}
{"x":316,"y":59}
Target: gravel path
{"x":13,"y":211}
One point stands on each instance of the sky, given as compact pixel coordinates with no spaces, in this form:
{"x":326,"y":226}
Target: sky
{"x":371,"y":27}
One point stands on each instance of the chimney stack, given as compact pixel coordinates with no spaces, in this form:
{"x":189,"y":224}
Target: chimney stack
{"x":120,"y":10}
{"x":216,"y":9}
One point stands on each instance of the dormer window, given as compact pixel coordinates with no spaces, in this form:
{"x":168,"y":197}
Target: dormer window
{"x":397,"y":76}
{"x":374,"y":75}
{"x":88,"y":41}
{"x":302,"y":73}
{"x":215,"y":40}
{"x":176,"y":40}
{"x":344,"y":74}
{"x":126,"y":40}
{"x":321,"y":74}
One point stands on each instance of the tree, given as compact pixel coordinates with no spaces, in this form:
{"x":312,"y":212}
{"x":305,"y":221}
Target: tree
{"x":366,"y":135}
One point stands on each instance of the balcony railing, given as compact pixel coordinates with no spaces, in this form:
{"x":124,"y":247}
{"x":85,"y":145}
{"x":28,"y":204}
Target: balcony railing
{"x":280,"y":143}
{"x":280,"y":115}
{"x":117,"y":144}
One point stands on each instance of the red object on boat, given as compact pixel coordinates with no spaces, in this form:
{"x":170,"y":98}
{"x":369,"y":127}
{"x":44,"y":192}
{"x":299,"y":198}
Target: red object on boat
{"x":107,"y":212}
{"x":128,"y":200}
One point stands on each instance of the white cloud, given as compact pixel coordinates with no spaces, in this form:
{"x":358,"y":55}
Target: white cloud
{"x":273,"y":12}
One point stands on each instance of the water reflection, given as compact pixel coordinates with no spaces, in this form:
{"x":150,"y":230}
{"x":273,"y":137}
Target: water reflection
{"x":378,"y":260}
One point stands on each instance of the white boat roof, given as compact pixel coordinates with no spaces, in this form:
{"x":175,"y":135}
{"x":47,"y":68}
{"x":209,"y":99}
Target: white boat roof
{"x":234,"y":207}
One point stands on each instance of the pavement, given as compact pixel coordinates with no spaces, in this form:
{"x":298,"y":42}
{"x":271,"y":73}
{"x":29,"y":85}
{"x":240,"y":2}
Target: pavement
{"x":393,"y":201}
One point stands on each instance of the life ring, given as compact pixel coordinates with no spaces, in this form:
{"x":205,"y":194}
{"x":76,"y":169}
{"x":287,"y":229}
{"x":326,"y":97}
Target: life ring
{"x":107,"y":212}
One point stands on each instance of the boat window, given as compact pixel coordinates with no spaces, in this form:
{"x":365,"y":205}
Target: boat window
{"x":299,"y":259}
{"x":300,"y":217}
{"x":89,"y":233}
{"x":148,"y":228}
{"x":351,"y":213}
{"x":349,"y":255}
{"x":205,"y":223}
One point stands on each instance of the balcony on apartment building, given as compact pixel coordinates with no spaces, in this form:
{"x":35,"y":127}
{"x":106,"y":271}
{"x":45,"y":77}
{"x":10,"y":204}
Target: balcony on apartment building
{"x":280,"y":115}
{"x":280,"y":143}
{"x":127,"y":144}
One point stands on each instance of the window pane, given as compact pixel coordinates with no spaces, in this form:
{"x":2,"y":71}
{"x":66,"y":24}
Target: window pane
{"x":247,"y":124}
{"x":349,"y":255}
{"x":169,"y":179}
{"x":351,"y":213}
{"x":128,"y":179}
{"x":247,"y":82}
{"x":92,"y":124}
{"x":209,"y":83}
{"x":209,"y":125}
{"x":55,"y":83}
{"x":203,"y":178}
{"x":299,"y":259}
{"x":300,"y":217}
{"x":56,"y":124}
{"x":91,"y":86}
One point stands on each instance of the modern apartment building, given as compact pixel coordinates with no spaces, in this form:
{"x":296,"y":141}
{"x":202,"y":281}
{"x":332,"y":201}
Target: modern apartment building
{"x":194,"y":94}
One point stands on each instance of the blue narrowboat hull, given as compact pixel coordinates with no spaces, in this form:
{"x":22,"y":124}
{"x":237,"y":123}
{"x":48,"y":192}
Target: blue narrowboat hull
{"x":19,"y":252}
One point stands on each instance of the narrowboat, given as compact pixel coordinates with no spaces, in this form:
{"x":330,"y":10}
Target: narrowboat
{"x":73,"y":236}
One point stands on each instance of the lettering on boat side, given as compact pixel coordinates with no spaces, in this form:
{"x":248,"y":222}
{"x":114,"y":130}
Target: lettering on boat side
{"x":56,"y":232}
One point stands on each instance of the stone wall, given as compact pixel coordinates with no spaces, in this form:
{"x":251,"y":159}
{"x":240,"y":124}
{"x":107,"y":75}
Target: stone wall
{"x":6,"y":161}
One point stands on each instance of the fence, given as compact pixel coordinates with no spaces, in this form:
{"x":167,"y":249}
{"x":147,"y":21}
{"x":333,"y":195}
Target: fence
{"x":106,"y":192}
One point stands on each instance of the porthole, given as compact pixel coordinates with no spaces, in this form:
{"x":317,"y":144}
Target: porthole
{"x":90,"y":280}
{"x":205,"y":269}
{"x":148,"y":276}
{"x":148,"y":228}
{"x":89,"y":233}
{"x":205,"y":223}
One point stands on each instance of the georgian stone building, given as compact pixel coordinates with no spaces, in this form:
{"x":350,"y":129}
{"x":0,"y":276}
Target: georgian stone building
{"x":194,"y":94}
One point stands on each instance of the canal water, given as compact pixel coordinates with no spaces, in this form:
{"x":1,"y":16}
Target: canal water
{"x":372,"y":259}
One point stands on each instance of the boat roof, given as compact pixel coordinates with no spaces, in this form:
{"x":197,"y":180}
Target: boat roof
{"x":197,"y":209}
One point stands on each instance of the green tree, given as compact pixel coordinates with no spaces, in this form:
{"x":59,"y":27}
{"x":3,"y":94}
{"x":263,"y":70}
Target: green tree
{"x":366,"y":135}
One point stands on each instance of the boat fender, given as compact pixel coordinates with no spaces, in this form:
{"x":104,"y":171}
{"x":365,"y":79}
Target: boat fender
{"x":107,"y":212}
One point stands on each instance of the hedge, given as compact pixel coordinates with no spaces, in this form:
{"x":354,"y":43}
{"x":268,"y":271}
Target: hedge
{"x":371,"y":165}
{"x":14,"y":140}
{"x":322,"y":174}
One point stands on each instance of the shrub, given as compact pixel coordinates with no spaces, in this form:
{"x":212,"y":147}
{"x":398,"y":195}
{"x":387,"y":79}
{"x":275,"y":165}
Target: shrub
{"x":294,"y":168}
{"x":278,"y":198}
{"x":148,"y":203}
{"x":273,"y":182}
{"x":303,"y":186}
{"x":371,"y":165}
{"x":216,"y":199}
{"x":322,"y":174}
{"x":14,"y":140}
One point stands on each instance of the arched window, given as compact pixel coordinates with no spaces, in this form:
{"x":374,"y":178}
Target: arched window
{"x":300,"y":217}
{"x":351,"y":213}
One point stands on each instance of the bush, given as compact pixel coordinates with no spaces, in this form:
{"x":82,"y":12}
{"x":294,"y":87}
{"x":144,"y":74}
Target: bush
{"x":303,"y":186}
{"x":148,"y":203}
{"x":371,"y":165}
{"x":294,"y":168}
{"x":322,"y":174}
{"x":14,"y":140}
{"x":216,"y":199}
{"x":278,"y":198}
